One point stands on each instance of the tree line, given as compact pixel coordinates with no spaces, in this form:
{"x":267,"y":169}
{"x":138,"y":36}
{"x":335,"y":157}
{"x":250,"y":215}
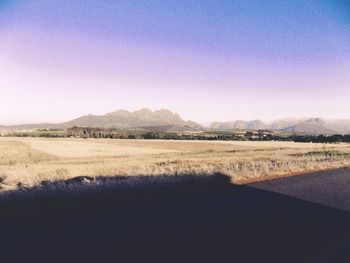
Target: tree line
{"x":113,"y":133}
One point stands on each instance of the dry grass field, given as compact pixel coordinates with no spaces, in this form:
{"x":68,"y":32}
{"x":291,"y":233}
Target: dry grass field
{"x":30,"y":162}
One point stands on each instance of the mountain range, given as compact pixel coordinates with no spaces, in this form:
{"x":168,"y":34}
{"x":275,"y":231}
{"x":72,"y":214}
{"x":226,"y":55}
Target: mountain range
{"x":165,"y":120}
{"x":121,"y":119}
{"x":303,"y":126}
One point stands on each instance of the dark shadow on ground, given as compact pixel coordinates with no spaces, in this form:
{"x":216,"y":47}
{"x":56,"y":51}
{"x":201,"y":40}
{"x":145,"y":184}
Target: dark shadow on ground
{"x":191,"y":220}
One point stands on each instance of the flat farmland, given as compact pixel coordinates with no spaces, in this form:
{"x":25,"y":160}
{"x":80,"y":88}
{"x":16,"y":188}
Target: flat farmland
{"x":28,"y":162}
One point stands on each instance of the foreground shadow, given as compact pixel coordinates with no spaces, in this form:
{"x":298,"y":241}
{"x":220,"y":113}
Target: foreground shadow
{"x":202,"y":219}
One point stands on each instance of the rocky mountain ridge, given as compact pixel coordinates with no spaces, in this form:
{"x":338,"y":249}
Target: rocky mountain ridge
{"x":165,"y":120}
{"x":304,"y":126}
{"x":121,"y":119}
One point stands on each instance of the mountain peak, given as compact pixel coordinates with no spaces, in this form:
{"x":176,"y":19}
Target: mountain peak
{"x":119,"y":112}
{"x":144,"y":111}
{"x":315,"y":121}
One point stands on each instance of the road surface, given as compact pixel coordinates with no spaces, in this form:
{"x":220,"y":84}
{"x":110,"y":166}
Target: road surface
{"x":330,"y":188}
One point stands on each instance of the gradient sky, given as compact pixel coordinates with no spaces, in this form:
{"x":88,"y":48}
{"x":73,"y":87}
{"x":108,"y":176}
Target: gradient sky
{"x":206,"y":60}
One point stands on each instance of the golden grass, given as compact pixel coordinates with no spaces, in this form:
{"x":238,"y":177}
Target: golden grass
{"x":27,"y":162}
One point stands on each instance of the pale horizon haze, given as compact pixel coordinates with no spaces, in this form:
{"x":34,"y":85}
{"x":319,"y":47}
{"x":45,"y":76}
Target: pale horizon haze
{"x":205,"y":60}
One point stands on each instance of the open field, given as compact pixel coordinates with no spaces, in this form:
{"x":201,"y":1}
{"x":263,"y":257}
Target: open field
{"x":29,"y":162}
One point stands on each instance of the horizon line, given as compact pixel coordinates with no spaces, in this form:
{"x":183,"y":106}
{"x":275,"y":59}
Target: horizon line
{"x":203,"y":123}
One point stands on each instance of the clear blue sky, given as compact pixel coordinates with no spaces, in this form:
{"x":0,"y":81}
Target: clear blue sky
{"x":206,"y":60}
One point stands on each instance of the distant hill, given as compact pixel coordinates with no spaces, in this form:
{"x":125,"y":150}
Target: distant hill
{"x":285,"y":123}
{"x":31,"y":126}
{"x":163,"y":119}
{"x":301,"y":126}
{"x":342,"y":125}
{"x":313,"y":126}
{"x":239,"y":125}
